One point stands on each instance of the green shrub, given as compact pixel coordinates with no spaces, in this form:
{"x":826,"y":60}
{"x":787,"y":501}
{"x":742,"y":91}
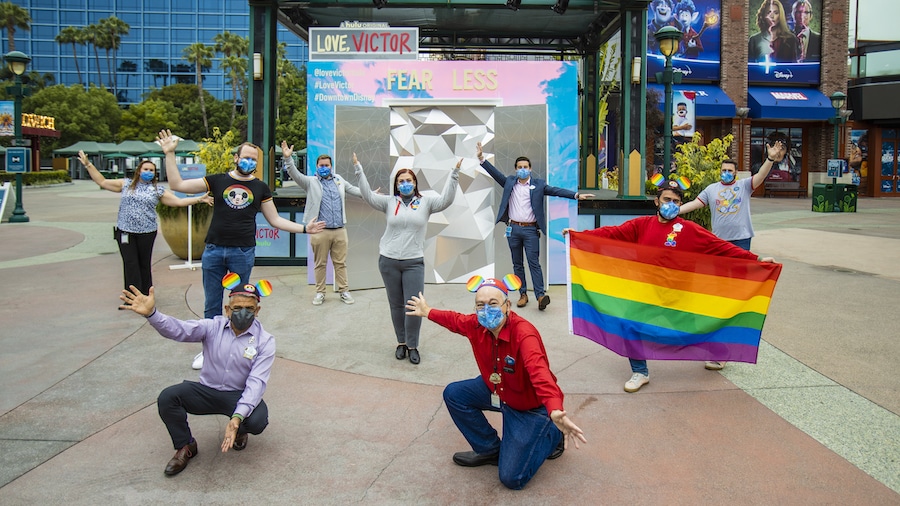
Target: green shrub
{"x":42,"y":178}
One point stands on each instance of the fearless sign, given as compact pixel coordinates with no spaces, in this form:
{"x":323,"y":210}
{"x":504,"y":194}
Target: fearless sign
{"x":363,"y":43}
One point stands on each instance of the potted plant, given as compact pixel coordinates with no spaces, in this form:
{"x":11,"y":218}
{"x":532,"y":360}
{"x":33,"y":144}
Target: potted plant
{"x":217,"y":154}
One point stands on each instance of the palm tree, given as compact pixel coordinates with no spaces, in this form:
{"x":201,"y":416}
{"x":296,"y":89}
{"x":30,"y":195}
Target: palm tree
{"x":12,"y":16}
{"x":94,"y":36}
{"x":236,"y":73}
{"x":201,"y":56}
{"x":72,"y":35}
{"x":113,"y":29}
{"x":234,"y":48}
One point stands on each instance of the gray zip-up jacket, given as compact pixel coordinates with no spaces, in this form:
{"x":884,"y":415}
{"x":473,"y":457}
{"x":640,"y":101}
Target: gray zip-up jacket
{"x":313,"y":187}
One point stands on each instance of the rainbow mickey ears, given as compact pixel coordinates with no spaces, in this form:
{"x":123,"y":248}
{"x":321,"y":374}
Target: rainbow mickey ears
{"x":232,"y":281}
{"x":509,"y":282}
{"x":679,"y":182}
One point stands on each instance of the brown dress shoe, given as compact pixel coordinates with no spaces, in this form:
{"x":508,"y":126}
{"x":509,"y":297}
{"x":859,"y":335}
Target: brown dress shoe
{"x":543,"y":302}
{"x":181,"y":458}
{"x":523,"y":299}
{"x":240,"y":442}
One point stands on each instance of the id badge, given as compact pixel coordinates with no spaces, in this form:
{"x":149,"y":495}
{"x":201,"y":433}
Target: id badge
{"x":508,"y":230}
{"x":249,"y":352}
{"x":495,"y":401}
{"x":123,"y":238}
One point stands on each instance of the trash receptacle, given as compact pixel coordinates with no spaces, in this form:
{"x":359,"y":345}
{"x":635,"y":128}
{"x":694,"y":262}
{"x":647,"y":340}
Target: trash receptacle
{"x":824,"y":198}
{"x":846,"y":197}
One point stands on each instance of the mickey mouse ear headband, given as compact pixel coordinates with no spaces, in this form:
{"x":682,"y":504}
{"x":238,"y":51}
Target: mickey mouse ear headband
{"x":509,"y":282}
{"x":232,"y":281}
{"x":665,"y":184}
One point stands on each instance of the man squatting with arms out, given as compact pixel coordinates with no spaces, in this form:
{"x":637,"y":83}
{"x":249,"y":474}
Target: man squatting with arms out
{"x":239,"y":356}
{"x":515,"y":380}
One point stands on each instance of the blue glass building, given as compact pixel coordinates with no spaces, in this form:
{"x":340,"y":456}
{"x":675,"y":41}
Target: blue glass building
{"x":151,"y":55}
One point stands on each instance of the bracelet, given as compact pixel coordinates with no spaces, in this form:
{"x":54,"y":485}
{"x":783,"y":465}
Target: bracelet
{"x":151,"y":314}
{"x":769,"y":159}
{"x":238,"y":416}
{"x":304,"y":228}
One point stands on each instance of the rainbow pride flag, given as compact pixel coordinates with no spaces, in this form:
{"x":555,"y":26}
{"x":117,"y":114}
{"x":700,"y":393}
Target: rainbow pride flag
{"x":646,"y":302}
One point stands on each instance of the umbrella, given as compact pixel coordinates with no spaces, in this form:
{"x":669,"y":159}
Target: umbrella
{"x":187,"y":146}
{"x":133,"y":147}
{"x":89,"y":147}
{"x":107,"y":147}
{"x":158,"y":154}
{"x":117,"y":155}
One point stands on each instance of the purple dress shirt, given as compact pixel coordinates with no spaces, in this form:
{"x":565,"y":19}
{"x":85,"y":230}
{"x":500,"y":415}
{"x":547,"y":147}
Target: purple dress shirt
{"x":224,"y":366}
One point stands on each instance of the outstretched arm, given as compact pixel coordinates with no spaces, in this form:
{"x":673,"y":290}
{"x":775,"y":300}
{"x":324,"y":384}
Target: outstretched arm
{"x":170,"y":199}
{"x":691,"y":206}
{"x":168,"y":143}
{"x":449,"y":190}
{"x":774,"y":153}
{"x":271,"y":214}
{"x":567,"y":427}
{"x":113,"y":185}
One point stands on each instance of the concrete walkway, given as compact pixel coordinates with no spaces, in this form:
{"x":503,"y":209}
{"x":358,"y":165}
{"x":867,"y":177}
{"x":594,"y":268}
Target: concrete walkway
{"x":817,"y":421}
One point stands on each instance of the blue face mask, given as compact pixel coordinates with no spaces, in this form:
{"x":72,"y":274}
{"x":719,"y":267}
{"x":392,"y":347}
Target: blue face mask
{"x":246,"y":165}
{"x":406,"y":188}
{"x":669,"y":210}
{"x":523,"y":173}
{"x":727,"y":177}
{"x":323,"y":170}
{"x":147,"y":176}
{"x":489,"y":317}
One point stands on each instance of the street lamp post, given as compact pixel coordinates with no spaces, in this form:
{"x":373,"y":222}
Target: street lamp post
{"x":17,"y":62}
{"x":837,"y":101}
{"x":668,"y":37}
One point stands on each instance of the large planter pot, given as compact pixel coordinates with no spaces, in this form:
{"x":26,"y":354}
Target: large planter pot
{"x":175,"y":231}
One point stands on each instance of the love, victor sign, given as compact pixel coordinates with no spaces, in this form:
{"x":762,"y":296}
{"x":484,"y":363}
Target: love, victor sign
{"x":363,"y":41}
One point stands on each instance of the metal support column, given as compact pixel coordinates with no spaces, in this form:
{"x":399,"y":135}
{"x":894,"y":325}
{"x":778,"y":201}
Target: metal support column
{"x":262,"y":106}
{"x":633,"y":121}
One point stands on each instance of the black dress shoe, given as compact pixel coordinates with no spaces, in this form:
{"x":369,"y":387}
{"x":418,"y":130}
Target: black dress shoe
{"x":560,"y":448}
{"x":472,"y":459}
{"x":543,"y":302}
{"x":181,"y":458}
{"x":401,"y":352}
{"x":414,"y":355}
{"x":240,"y":442}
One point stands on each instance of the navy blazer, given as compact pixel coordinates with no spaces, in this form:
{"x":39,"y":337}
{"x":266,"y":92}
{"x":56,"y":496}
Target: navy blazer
{"x":539,"y":188}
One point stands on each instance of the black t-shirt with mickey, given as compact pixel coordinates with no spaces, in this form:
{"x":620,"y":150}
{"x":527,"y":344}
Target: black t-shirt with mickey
{"x":234,"y":213}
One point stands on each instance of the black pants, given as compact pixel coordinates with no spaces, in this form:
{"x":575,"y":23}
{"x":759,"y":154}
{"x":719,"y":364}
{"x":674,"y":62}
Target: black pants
{"x":175,"y":402}
{"x":136,"y":258}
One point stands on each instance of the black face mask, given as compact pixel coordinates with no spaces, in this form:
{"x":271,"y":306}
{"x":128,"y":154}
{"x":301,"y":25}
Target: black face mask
{"x":242,"y":318}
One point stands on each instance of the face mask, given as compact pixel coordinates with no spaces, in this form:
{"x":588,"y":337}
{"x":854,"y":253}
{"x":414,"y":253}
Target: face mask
{"x":727,"y":177}
{"x":147,"y":176}
{"x":669,"y":210}
{"x":323,"y":170}
{"x":406,"y":188}
{"x":242,"y":318}
{"x":489,"y":317}
{"x":246,"y":165}
{"x":523,"y":173}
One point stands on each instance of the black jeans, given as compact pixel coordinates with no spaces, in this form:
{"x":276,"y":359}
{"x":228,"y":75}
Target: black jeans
{"x":136,"y":257}
{"x":176,"y":401}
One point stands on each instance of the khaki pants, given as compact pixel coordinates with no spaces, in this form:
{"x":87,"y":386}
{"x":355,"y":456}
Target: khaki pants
{"x":333,"y":241}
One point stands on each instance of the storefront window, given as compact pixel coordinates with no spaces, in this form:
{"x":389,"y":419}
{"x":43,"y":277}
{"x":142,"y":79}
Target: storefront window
{"x":858,"y":158}
{"x":888,"y":164}
{"x":790,"y":168}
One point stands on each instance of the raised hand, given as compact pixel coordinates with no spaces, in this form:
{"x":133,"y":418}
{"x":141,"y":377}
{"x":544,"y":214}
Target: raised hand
{"x":167,"y":142}
{"x":286,"y":151}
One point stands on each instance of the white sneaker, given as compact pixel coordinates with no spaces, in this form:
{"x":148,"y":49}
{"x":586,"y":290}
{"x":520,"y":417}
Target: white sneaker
{"x":636,"y":382}
{"x":347,"y":298}
{"x":318,"y":299}
{"x":714,"y":365}
{"x":197,"y":364}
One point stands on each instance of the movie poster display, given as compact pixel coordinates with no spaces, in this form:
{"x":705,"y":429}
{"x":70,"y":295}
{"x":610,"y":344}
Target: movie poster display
{"x":699,"y":52}
{"x":785,"y":44}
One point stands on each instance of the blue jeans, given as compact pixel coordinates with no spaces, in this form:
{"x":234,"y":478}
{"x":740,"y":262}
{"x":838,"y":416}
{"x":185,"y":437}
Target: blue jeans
{"x":639,"y":366}
{"x":529,"y":239}
{"x":742,"y":243}
{"x":529,"y":437}
{"x":217,"y":262}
